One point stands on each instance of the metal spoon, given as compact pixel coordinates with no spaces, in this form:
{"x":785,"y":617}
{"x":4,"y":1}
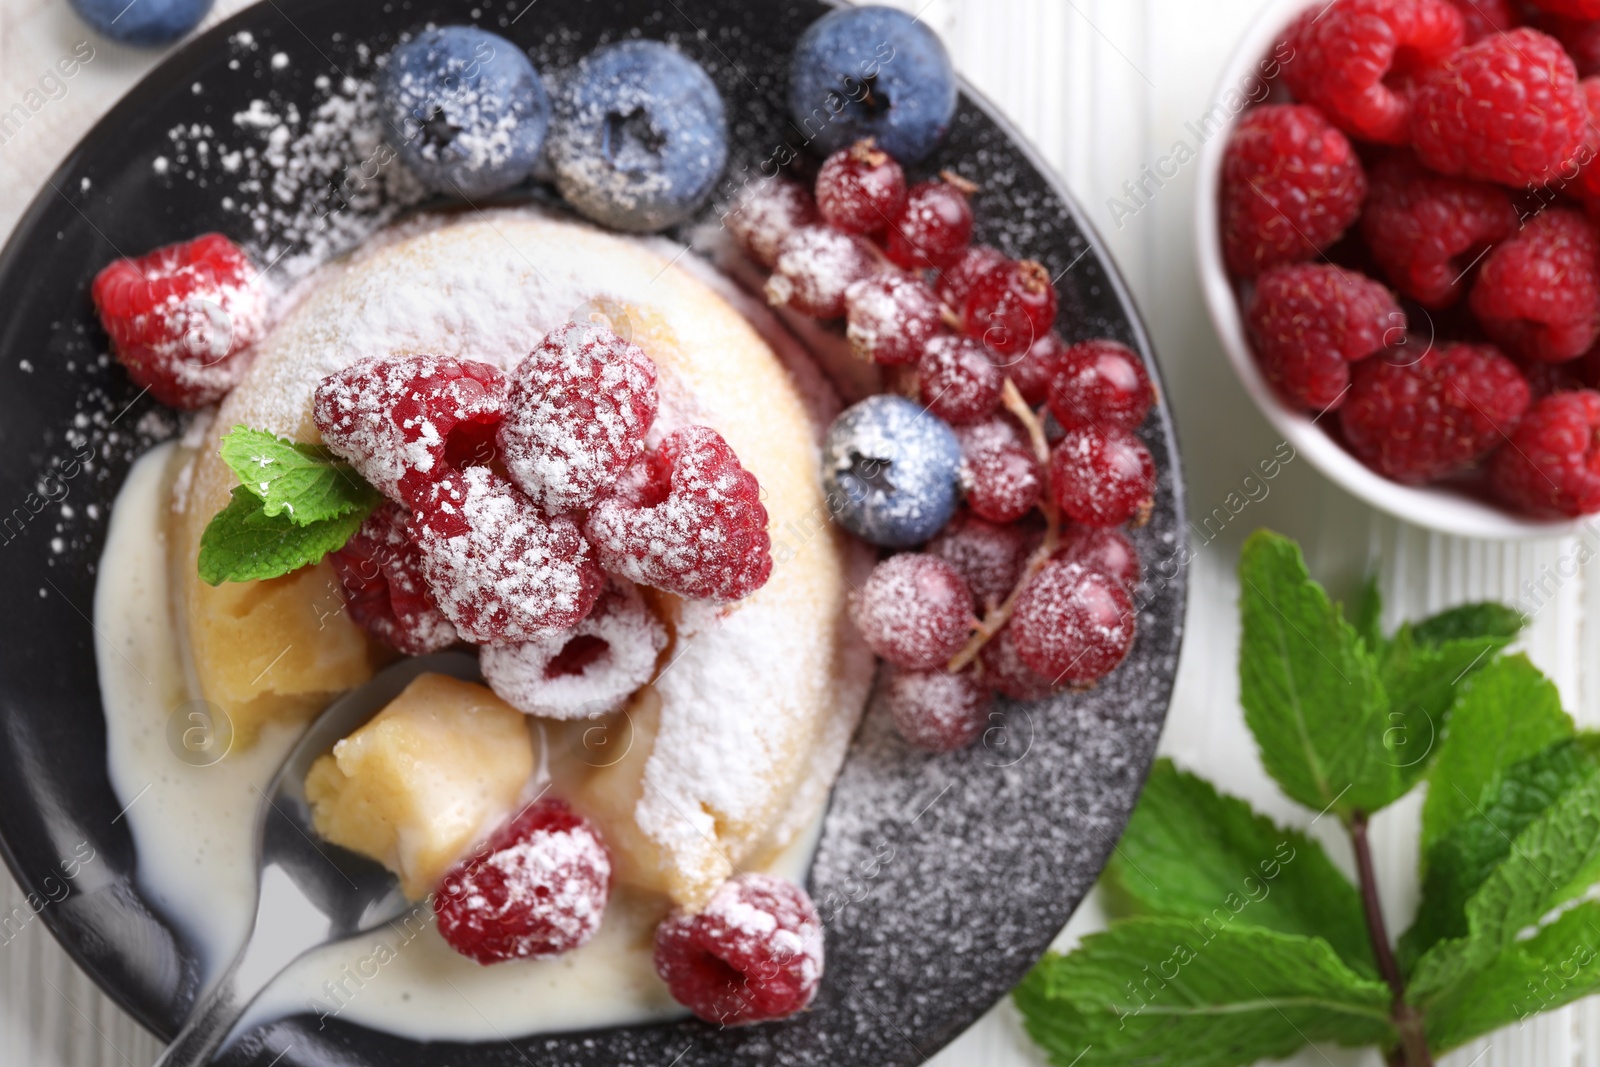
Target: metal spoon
{"x":309,"y":892}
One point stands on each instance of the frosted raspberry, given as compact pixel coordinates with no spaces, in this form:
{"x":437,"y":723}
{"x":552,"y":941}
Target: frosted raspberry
{"x":753,"y":953}
{"x":1483,"y":18}
{"x":1308,"y":322}
{"x":587,"y":671}
{"x":380,"y":574}
{"x":1291,"y":186}
{"x":890,"y":318}
{"x":989,"y":556}
{"x":1506,"y":109}
{"x":1073,"y":625}
{"x":1426,"y":231}
{"x":860,"y":188}
{"x":914,"y":610}
{"x":1100,"y":383}
{"x":1010,"y":306}
{"x":1420,"y":421}
{"x":576,"y":415}
{"x":1538,"y":294}
{"x":1004,"y":669}
{"x":767,"y":212}
{"x":815,"y":266}
{"x":954,"y":282}
{"x":1343,"y":51}
{"x":1101,"y":549}
{"x":180,"y":317}
{"x":1000,"y":470}
{"x":406,"y":421}
{"x":937,"y":710}
{"x":1035,"y":369}
{"x":958,"y":381}
{"x":688,"y":520}
{"x":935,"y":226}
{"x":1551,"y":467}
{"x":537,"y":889}
{"x":1102,"y":478}
{"x":501,"y":569}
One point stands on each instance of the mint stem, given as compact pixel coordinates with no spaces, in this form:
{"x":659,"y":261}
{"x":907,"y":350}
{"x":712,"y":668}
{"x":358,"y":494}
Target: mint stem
{"x":1413,"y":1050}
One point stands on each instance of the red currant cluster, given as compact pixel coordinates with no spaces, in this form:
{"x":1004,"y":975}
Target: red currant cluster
{"x":1028,"y":590}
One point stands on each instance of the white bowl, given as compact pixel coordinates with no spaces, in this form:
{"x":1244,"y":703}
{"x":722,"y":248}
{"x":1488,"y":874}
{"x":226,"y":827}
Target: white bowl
{"x":1439,"y":508}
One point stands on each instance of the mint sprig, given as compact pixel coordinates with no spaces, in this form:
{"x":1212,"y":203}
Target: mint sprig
{"x":1238,"y":939}
{"x":294,"y":504}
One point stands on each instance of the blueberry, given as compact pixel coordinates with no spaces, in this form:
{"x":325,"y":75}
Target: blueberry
{"x":148,"y":22}
{"x":889,"y":471}
{"x":466,"y":110}
{"x":639,"y":137}
{"x":872,"y":72}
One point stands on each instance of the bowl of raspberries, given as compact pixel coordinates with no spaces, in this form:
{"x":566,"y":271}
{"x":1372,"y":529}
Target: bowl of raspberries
{"x":1399,"y":243}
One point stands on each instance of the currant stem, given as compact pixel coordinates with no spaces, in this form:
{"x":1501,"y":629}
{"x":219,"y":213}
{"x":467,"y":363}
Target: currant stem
{"x":1413,"y":1050}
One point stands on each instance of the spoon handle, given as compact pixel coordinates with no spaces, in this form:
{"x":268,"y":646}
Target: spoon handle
{"x":208,"y":1024}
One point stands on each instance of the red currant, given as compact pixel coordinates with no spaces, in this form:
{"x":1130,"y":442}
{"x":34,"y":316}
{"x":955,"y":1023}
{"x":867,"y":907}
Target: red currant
{"x":1102,"y":478}
{"x":768,"y":211}
{"x":1003,"y":668}
{"x":1072,"y":625}
{"x":1010,"y":307}
{"x":890,"y":318}
{"x":958,"y":382}
{"x":934,"y":227}
{"x":914,"y":610}
{"x":989,"y":555}
{"x":1103,"y":549}
{"x":860,"y":188}
{"x":1036,"y":368}
{"x":815,"y":266}
{"x":955,"y":281}
{"x":937,"y":710}
{"x":1002,"y":472}
{"x":1100,"y":384}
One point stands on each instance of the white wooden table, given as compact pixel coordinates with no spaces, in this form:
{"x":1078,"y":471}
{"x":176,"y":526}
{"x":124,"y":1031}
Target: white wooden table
{"x":1102,"y":87}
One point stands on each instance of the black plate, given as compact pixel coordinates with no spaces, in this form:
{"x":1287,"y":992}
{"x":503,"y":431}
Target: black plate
{"x":942,"y":878}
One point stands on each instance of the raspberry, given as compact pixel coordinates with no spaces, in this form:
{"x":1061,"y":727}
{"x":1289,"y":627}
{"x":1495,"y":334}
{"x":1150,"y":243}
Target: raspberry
{"x":890,"y":318}
{"x":1002,"y":475}
{"x":1309,"y":322}
{"x":1426,"y":231}
{"x":537,"y":889}
{"x":955,"y":281}
{"x":1291,"y":185}
{"x":1010,"y":306}
{"x":1551,"y":467}
{"x":769,"y":210}
{"x":937,"y":710}
{"x":1035,"y":369}
{"x":1482,"y":18}
{"x":1576,"y":9}
{"x":1538,"y":293}
{"x":1344,"y":50}
{"x":687,"y":520}
{"x":1073,"y":625}
{"x":958,"y":382}
{"x":1100,"y":383}
{"x":180,"y":316}
{"x":1102,"y":478}
{"x":576,"y":414}
{"x":934,"y":227}
{"x":753,"y":953}
{"x":1103,"y":550}
{"x":914,"y":610}
{"x":860,"y":188}
{"x":587,"y":671}
{"x":1003,"y":668}
{"x":501,"y":569}
{"x":1418,"y":422}
{"x":1581,"y":39}
{"x":405,"y":422}
{"x":989,"y":556}
{"x":815,"y":266}
{"x":1507,"y":109}
{"x":380,"y":573}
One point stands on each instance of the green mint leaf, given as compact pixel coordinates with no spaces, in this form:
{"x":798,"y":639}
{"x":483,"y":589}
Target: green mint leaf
{"x":1463,"y":859}
{"x":1191,"y":852}
{"x":1368,"y":616}
{"x":301,"y":481}
{"x":1167,"y":993}
{"x":243,"y":543}
{"x":1310,"y":687}
{"x":1506,"y":713}
{"x":1486,"y":619}
{"x":1555,"y":967}
{"x":1556,"y":858}
{"x":1423,"y":680}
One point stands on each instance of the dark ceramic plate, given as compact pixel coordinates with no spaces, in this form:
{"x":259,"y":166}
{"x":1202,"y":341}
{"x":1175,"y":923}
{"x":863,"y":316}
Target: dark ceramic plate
{"x":941,"y":878}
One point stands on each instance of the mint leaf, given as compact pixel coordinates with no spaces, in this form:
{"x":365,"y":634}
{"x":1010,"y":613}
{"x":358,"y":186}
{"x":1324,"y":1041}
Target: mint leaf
{"x":1368,"y":616}
{"x":1165,"y":993}
{"x":1552,"y":861}
{"x":1191,"y":852}
{"x":1463,"y":859}
{"x":1486,"y":619}
{"x":1506,"y":713}
{"x":243,"y":543}
{"x":301,"y":481}
{"x":1423,"y":680}
{"x":1309,"y":686}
